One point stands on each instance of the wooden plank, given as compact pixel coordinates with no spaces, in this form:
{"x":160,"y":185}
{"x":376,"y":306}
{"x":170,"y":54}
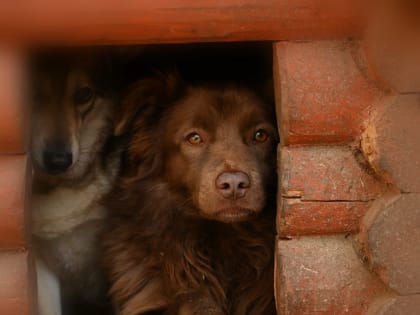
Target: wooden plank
{"x":12,"y":118}
{"x":322,"y":95}
{"x":15,"y":287}
{"x":297,"y":217}
{"x":13,"y":171}
{"x":325,"y":173}
{"x":169,"y":21}
{"x":323,"y":276}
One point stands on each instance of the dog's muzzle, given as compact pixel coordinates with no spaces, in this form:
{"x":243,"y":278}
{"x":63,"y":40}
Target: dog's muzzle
{"x":57,"y":158}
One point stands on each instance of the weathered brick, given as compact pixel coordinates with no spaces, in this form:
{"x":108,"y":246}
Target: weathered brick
{"x":392,"y":243}
{"x":321,"y":93}
{"x":15,"y":292}
{"x":13,"y":172}
{"x":12,"y":91}
{"x":396,"y":305}
{"x":297,"y":217}
{"x":323,"y":276}
{"x":325,"y":173}
{"x":391,"y":142}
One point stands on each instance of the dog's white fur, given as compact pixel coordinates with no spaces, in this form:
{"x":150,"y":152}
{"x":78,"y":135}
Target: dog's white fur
{"x":64,"y":208}
{"x":58,"y":213}
{"x":49,"y":302}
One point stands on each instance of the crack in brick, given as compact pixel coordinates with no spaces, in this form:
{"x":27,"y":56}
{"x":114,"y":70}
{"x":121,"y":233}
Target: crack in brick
{"x":331,"y":200}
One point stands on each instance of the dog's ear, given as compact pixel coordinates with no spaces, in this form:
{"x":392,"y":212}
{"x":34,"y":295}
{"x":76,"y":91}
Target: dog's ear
{"x":139,"y":98}
{"x":143,"y":98}
{"x":141,"y":111}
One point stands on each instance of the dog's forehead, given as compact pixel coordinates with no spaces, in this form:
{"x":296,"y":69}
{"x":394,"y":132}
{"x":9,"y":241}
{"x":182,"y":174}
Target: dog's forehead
{"x":57,"y":88}
{"x":56,"y":74}
{"x":221,"y":104}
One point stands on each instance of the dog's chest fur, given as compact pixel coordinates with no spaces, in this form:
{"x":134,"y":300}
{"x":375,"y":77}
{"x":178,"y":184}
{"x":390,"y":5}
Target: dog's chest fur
{"x":63,"y":208}
{"x":66,"y":224}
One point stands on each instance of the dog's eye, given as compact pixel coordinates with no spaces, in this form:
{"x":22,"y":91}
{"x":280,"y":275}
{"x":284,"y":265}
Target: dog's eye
{"x":194,"y":138}
{"x":83,"y":95}
{"x":261,"y":135}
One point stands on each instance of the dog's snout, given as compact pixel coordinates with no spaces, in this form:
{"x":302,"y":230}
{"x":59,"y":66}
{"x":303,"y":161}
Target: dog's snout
{"x":233,"y":185}
{"x":57,"y":159}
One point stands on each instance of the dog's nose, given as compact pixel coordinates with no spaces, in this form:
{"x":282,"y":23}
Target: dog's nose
{"x":57,"y":161}
{"x":232,"y":185}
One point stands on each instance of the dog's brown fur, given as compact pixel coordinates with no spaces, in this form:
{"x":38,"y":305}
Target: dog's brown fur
{"x":174,"y":245}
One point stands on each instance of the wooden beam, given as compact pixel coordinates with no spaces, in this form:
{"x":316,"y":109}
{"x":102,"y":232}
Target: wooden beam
{"x":12,"y":101}
{"x":176,"y":21}
{"x":16,"y":290}
{"x":13,"y":196}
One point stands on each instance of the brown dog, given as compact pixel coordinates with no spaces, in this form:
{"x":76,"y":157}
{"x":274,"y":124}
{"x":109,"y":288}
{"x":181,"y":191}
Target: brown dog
{"x":192,"y":228}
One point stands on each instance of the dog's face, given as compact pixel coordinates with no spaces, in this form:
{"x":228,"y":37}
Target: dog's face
{"x":219,"y":147}
{"x":216,"y":151}
{"x":71,"y":118}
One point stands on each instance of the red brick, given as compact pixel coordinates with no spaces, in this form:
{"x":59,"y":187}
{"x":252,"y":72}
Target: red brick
{"x":396,"y":305}
{"x":11,"y":101}
{"x":391,"y":142}
{"x":325,"y":173}
{"x":392,"y":243}
{"x":299,"y":217}
{"x":15,"y":290}
{"x":323,"y":276}
{"x":13,"y":172}
{"x":321,"y":92}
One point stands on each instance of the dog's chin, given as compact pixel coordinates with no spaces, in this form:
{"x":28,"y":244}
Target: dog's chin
{"x":234,"y":214}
